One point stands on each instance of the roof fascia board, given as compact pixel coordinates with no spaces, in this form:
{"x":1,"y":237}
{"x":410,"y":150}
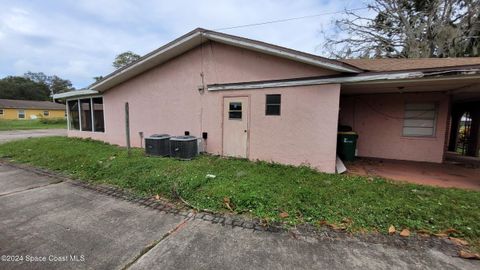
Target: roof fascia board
{"x":277,"y":52}
{"x":307,"y":82}
{"x":425,"y":78}
{"x":76,"y":93}
{"x":86,"y":97}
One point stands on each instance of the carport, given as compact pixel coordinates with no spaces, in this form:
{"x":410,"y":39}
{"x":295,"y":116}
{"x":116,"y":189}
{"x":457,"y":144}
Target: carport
{"x":464,"y":138}
{"x":433,"y":117}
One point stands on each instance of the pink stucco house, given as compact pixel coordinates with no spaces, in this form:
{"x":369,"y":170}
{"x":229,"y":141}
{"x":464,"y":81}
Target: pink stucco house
{"x":260,"y":101}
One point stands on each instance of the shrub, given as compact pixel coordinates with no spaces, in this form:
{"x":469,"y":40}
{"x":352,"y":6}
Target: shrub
{"x":51,"y":121}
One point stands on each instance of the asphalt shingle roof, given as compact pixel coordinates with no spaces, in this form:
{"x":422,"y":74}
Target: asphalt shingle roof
{"x":396,"y":64}
{"x":30,"y":104}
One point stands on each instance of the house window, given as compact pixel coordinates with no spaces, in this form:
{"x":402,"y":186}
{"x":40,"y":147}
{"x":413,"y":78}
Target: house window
{"x":21,"y":114}
{"x":86,"y":114}
{"x":1,"y":111}
{"x":46,"y":113}
{"x":272,"y":104}
{"x":420,"y":119}
{"x":235,"y":110}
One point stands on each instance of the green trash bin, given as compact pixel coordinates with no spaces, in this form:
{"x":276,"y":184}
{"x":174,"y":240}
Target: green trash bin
{"x":346,"y":145}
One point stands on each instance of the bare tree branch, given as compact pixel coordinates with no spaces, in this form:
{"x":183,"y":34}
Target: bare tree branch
{"x":409,"y":28}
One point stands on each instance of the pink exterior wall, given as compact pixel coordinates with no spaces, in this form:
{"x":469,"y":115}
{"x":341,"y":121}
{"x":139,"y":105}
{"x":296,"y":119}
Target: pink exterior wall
{"x":378,"y":121}
{"x":166,"y":100}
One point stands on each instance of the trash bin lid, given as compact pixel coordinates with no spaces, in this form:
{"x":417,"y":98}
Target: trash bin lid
{"x":183,"y":138}
{"x":160,"y":136}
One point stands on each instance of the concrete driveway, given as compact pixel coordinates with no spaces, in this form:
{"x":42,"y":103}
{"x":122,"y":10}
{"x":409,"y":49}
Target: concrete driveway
{"x":11,"y":135}
{"x":70,"y":227}
{"x":423,"y":173}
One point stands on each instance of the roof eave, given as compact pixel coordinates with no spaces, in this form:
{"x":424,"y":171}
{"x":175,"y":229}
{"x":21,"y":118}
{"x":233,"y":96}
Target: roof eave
{"x":76,"y":93}
{"x":365,"y":78}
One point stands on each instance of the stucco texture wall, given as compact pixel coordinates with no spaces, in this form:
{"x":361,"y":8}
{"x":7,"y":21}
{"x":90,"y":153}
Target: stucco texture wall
{"x":378,"y":120}
{"x":166,"y":99}
{"x":12,"y":114}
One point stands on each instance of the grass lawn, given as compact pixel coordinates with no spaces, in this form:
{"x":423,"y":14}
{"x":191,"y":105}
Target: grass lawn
{"x":32,"y":124}
{"x":261,"y":189}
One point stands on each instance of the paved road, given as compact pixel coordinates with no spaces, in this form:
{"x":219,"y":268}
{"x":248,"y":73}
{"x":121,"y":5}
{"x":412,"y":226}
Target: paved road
{"x":11,"y":135}
{"x":44,"y":217}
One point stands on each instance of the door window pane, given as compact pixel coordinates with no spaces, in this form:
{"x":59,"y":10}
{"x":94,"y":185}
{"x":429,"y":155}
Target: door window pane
{"x":235,"y":110}
{"x":73,"y":114}
{"x":235,"y":106}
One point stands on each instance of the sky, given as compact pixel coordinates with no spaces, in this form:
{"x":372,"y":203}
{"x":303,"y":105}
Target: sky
{"x":79,"y":39}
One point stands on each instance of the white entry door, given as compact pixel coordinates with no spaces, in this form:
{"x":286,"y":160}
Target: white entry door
{"x":235,"y":126}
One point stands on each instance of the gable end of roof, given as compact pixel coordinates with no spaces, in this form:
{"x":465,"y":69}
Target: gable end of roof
{"x":199,"y":36}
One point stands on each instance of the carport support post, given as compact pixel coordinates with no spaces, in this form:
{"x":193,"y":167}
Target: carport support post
{"x":474,"y":133}
{"x":127,"y":127}
{"x":456,"y":118}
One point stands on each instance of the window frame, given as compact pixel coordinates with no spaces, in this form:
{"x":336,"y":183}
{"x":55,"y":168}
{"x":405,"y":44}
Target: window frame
{"x":23,"y":113}
{"x":273,"y":104}
{"x":435,"y":119}
{"x":2,"y":112}
{"x":230,"y":111}
{"x":92,"y":120}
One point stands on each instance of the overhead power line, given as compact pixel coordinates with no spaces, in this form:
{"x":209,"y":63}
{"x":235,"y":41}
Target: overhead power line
{"x":289,"y":19}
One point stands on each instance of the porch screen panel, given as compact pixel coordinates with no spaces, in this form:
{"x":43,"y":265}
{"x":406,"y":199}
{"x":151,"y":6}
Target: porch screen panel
{"x":86,"y":112}
{"x":419,"y":119}
{"x":73,"y":115}
{"x":98,"y":121}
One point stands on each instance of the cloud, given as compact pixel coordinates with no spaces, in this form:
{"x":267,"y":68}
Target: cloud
{"x":78,"y":40}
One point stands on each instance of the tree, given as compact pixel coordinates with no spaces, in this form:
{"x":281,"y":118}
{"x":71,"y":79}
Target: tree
{"x":58,"y":85}
{"x":15,"y":87}
{"x":125,"y":59}
{"x":409,"y":29}
{"x":39,"y":77}
{"x":54,"y":83}
{"x":121,"y":60}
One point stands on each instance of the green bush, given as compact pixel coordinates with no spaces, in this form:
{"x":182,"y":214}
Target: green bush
{"x":52,"y":121}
